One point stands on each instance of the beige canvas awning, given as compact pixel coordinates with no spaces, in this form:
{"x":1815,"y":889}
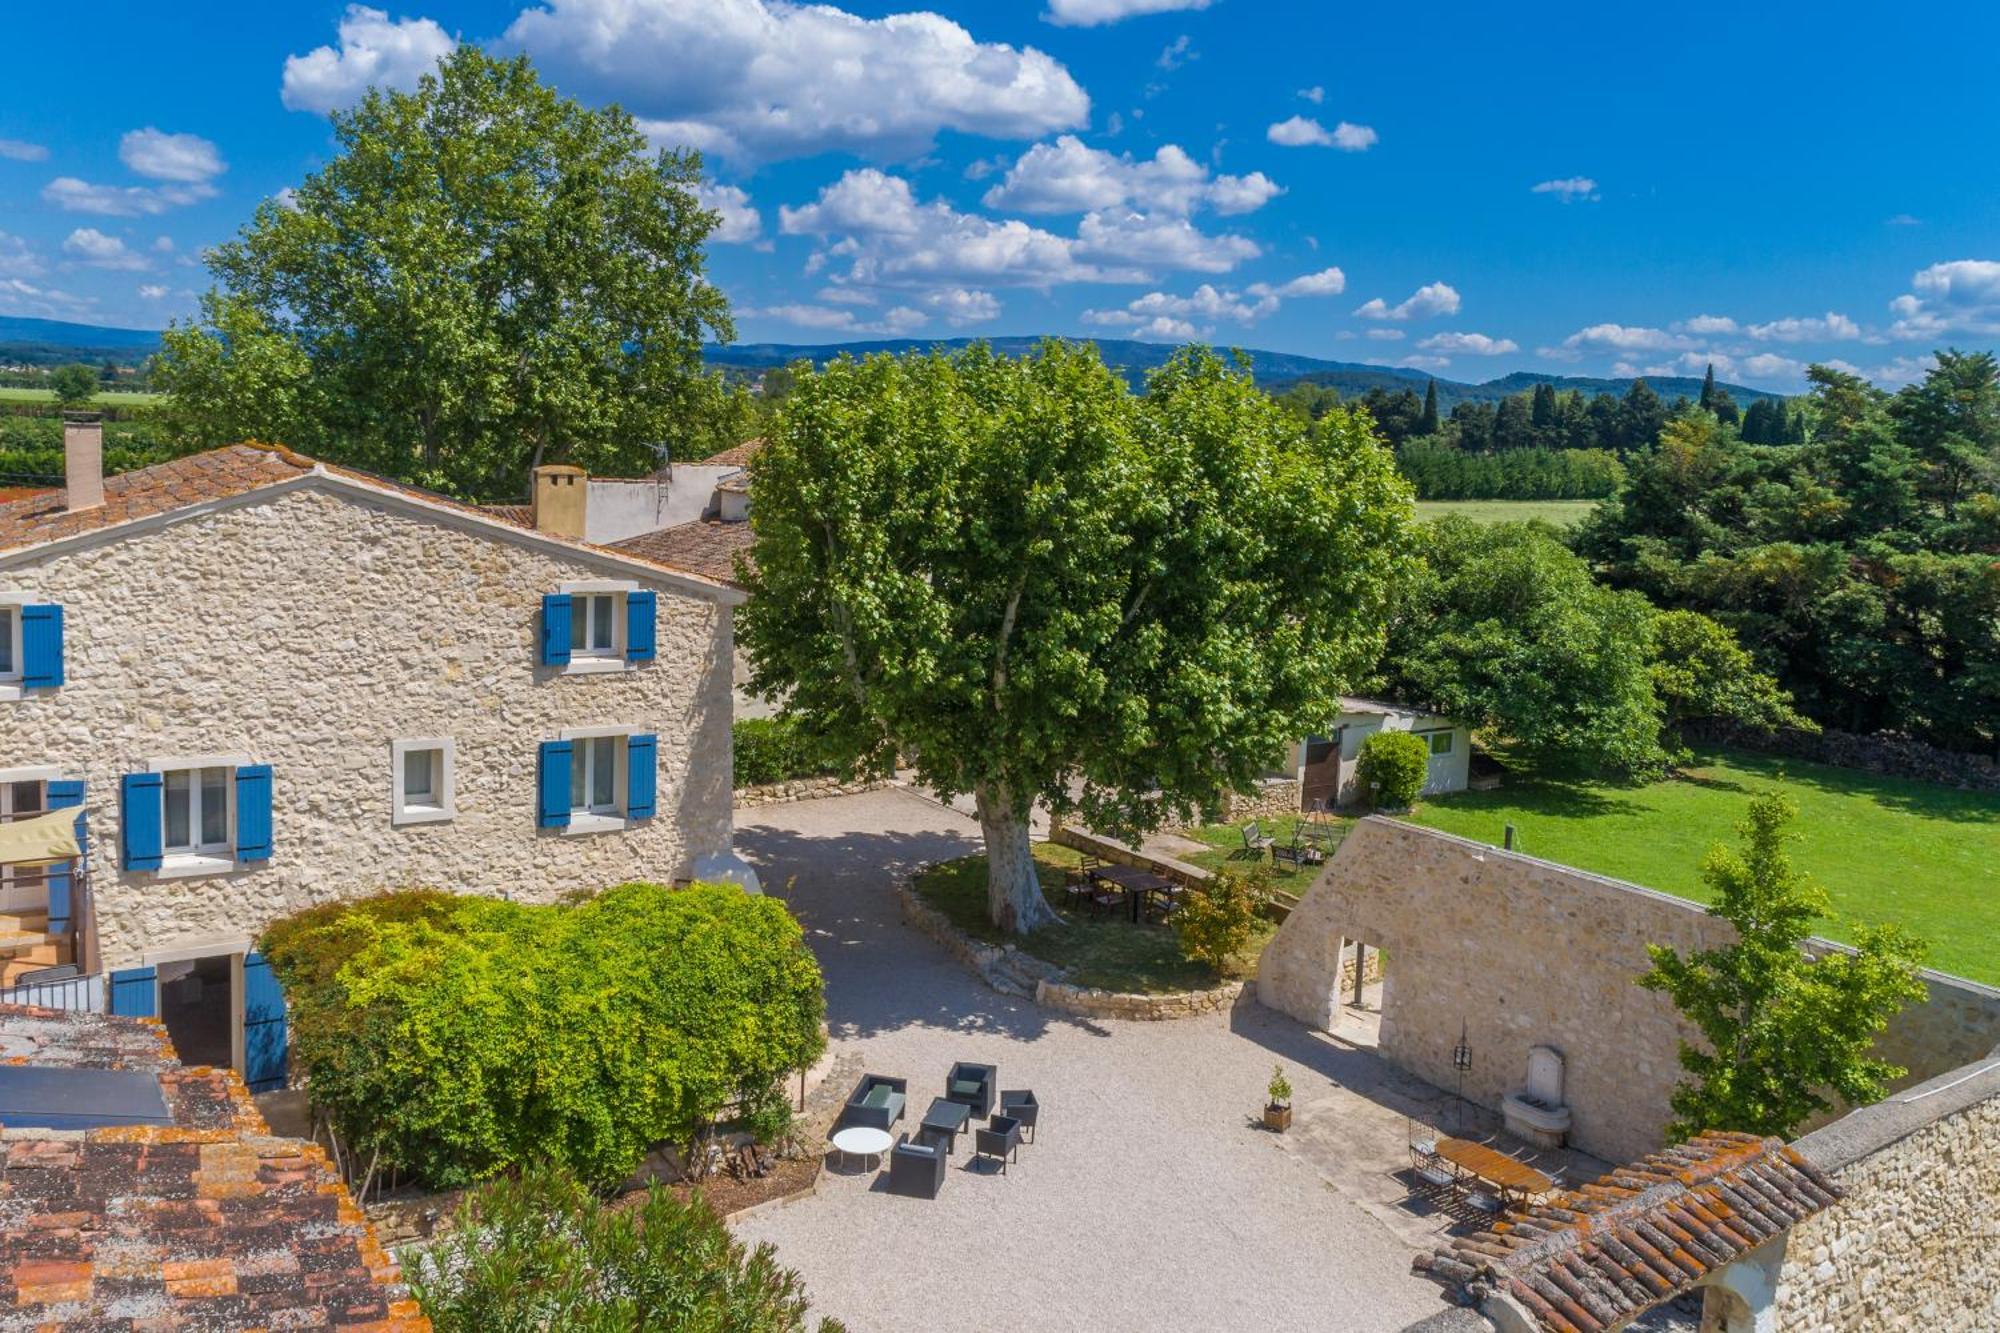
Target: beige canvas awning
{"x":40,"y":841}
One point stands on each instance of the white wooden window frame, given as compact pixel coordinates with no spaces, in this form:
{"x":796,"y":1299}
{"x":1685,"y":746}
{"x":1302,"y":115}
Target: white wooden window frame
{"x":598,"y":821}
{"x":590,"y":661}
{"x":203,"y":858}
{"x":443,"y":783}
{"x":10,"y":679}
{"x":41,"y":776}
{"x":1431,"y":740}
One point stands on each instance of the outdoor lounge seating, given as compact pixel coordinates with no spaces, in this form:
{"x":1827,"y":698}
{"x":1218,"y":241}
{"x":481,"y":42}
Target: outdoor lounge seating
{"x":1299,"y":852}
{"x":972,"y":1085}
{"x":1020,"y":1105}
{"x":876,"y":1102}
{"x":1001,"y":1139}
{"x":1256,"y":841}
{"x":916,"y":1169}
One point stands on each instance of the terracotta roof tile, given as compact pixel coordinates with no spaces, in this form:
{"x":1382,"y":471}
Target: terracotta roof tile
{"x":521,"y":516}
{"x":208,"y":1223}
{"x":706,"y":546}
{"x":739,"y":456}
{"x":1598,"y":1257}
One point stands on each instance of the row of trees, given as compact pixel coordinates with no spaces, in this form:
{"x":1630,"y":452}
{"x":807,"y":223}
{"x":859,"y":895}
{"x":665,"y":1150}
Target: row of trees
{"x":1441,"y":472}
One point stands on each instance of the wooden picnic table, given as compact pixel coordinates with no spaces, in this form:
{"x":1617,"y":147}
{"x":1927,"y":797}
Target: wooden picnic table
{"x":1508,"y":1174}
{"x":1137,"y":883}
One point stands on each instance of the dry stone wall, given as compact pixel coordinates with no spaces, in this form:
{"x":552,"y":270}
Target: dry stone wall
{"x":307,"y":632}
{"x":1516,"y":952}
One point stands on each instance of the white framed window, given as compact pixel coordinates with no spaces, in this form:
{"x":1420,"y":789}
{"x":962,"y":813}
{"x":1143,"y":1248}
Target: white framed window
{"x":598,"y":776}
{"x":1440,"y":741}
{"x":24,"y":793}
{"x":421,"y":790}
{"x":197,"y":814}
{"x":10,"y":641}
{"x":597,"y":624}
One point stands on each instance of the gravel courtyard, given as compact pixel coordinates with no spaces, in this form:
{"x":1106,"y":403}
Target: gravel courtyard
{"x":1152,"y":1200}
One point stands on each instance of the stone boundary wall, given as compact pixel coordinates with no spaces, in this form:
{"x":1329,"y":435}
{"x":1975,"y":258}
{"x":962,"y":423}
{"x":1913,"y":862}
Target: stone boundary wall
{"x":1888,"y":754}
{"x":1270,"y":799}
{"x":1110,"y":849}
{"x":1517,"y":952}
{"x":1916,"y":1241}
{"x":804,"y":789}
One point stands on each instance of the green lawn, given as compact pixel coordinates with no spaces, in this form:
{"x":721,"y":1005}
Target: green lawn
{"x":1924,"y":856}
{"x":1225,"y":842}
{"x":1559,"y":512}
{"x":1109,"y":952}
{"x":110,"y":398}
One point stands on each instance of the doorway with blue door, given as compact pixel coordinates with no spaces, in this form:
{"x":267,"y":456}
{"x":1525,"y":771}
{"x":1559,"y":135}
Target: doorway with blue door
{"x":223,"y":1009}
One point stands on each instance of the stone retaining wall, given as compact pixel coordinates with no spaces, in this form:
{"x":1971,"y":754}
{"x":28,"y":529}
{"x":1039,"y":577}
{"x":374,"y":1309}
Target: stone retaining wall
{"x":1110,"y":849}
{"x":1888,"y":754}
{"x":805,"y":789}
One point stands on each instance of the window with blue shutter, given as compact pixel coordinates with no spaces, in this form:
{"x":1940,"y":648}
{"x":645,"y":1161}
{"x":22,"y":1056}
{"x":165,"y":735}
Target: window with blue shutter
{"x":265,"y":1063}
{"x":135,"y":992}
{"x":41,"y":646}
{"x":641,"y":612}
{"x":642,"y":776}
{"x":139,"y":821}
{"x":65,"y":794}
{"x":253,"y":812}
{"x":552,"y":785}
{"x":555,"y":629}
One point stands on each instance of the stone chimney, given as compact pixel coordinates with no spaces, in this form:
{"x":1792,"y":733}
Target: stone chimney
{"x":562,"y":496}
{"x":83,"y":460}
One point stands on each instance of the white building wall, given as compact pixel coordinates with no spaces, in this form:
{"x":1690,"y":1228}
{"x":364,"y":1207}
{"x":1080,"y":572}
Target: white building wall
{"x":1448,"y":772}
{"x":309,"y":631}
{"x":618,"y":509}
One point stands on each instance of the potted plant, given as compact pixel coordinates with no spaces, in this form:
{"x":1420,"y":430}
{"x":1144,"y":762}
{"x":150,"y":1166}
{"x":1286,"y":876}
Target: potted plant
{"x":1278,"y":1111}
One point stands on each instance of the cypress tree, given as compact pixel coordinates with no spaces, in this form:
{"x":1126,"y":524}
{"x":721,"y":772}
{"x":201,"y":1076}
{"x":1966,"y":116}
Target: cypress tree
{"x":1708,"y":389}
{"x":1429,"y":425}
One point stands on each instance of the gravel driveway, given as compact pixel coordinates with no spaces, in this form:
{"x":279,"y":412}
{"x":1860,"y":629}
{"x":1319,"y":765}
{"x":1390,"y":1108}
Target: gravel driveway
{"x":1152,"y":1200}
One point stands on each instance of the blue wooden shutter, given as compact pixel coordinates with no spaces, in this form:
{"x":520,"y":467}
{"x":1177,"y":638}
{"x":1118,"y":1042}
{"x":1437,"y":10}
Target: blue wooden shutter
{"x":135,"y":992}
{"x":140,"y":815}
{"x":553,"y":785}
{"x":265,"y":1063}
{"x":41,"y":646}
{"x":641,"y":608}
{"x":555,"y":629}
{"x":64,"y":794}
{"x":642,"y":768}
{"x":253,"y":812}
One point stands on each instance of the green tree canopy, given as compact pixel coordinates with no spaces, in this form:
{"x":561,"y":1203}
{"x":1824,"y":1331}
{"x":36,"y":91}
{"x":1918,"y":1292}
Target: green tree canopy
{"x":485,"y":276}
{"x":74,"y":385}
{"x":1783,"y":1030}
{"x":1031,"y":583}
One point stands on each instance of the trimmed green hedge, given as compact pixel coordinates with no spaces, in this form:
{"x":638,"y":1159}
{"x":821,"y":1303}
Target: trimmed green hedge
{"x":1393,"y":766}
{"x":463,"y":1036}
{"x":776,"y":749}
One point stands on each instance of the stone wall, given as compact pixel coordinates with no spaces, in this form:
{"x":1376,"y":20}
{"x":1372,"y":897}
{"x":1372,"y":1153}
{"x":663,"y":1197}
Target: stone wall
{"x":309,"y":630}
{"x":1517,"y":952}
{"x":805,"y":789}
{"x":1915,"y":1244}
{"x":1886,"y":753}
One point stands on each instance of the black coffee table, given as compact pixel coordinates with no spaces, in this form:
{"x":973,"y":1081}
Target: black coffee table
{"x":946,"y":1117}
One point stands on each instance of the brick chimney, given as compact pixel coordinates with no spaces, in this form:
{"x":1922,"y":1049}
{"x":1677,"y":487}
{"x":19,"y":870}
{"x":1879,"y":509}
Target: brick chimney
{"x":83,"y":460}
{"x":562,"y":496}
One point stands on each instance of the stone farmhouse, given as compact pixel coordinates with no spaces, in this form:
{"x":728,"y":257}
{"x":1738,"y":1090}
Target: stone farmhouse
{"x":266,"y":682}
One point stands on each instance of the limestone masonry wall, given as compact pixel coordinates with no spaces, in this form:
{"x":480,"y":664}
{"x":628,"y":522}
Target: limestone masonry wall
{"x":308,"y":632}
{"x":1517,"y":952}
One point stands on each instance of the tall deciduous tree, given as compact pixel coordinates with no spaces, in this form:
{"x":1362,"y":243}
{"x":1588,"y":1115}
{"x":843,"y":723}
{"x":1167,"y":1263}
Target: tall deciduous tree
{"x":486,"y":275}
{"x":73,"y":385}
{"x":1783,"y":1031}
{"x":1032,"y":584}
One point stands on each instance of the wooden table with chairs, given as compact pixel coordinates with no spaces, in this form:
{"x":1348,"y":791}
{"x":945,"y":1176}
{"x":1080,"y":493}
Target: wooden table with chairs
{"x":1516,"y":1181}
{"x":1138,"y":885}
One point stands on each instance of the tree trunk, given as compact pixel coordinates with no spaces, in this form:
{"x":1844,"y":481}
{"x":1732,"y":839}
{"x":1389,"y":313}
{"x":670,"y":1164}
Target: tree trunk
{"x":1013,"y":889}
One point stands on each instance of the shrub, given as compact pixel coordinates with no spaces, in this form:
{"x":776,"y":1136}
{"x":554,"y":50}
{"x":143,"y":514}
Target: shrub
{"x":1216,"y":919}
{"x":1393,"y":766}
{"x":462,"y":1036}
{"x":542,"y":1252}
{"x":776,"y":749}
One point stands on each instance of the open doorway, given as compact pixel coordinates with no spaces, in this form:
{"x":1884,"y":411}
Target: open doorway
{"x":198,"y":1004}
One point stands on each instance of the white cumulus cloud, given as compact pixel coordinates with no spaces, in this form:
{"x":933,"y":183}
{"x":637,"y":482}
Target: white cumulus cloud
{"x":1091,"y":13}
{"x":170,"y":157}
{"x":1126,"y":237}
{"x":770,"y":79}
{"x":1625,"y":338}
{"x":88,"y":245}
{"x":1829,"y":327}
{"x":1174,"y":316}
{"x":1305,"y":132}
{"x":1569,"y":189}
{"x":1958,"y":296}
{"x":1326,"y":282}
{"x":740,"y":223}
{"x":122,"y":201}
{"x":1433,"y":298}
{"x":1473,"y":344}
{"x":1068,"y":176}
{"x":17,"y":258}
{"x":152,"y":292}
{"x":20,"y":150}
{"x":373,"y":52}
{"x":959,"y":306}
{"x":1707,"y":324}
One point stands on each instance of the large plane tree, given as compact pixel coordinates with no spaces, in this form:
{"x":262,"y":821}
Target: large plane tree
{"x":1033,"y":584}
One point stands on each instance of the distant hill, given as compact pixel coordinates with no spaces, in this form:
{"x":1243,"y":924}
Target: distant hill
{"x":51,"y":342}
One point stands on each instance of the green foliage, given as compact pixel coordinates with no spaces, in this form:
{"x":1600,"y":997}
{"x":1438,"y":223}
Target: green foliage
{"x":461,"y":1036}
{"x":1441,"y":471}
{"x":1279,"y":1089}
{"x":777,"y":749}
{"x":485,"y":276}
{"x":1392,"y":767}
{"x":1701,"y":673}
{"x":1784,"y":1031}
{"x":1034,"y":584}
{"x":542,"y":1252}
{"x":1216,"y":919}
{"x":74,"y":385}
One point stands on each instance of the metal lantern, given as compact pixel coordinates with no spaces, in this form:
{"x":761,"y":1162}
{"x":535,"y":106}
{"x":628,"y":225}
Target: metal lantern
{"x":1461,"y":1060}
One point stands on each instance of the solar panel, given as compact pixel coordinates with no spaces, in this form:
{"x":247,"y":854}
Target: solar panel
{"x":37,"y":1097}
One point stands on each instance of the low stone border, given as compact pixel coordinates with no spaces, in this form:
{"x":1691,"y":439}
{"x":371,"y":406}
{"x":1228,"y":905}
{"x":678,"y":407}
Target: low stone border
{"x":1011,"y":972}
{"x":805,"y":789}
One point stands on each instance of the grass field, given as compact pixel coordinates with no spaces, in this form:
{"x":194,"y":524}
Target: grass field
{"x":1923,"y":856}
{"x":1558,"y":512}
{"x":112,"y":398}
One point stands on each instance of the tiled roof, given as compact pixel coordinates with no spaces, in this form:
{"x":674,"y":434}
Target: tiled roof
{"x":208,"y":1223}
{"x":1597,"y":1257}
{"x":706,"y":546}
{"x":739,"y":456}
{"x":521,"y":516}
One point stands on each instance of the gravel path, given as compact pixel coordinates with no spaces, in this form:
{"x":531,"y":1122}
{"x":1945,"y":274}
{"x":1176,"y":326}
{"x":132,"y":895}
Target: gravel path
{"x":1152,"y":1201}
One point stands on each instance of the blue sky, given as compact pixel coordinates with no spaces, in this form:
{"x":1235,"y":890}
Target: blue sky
{"x":1580,"y":188}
